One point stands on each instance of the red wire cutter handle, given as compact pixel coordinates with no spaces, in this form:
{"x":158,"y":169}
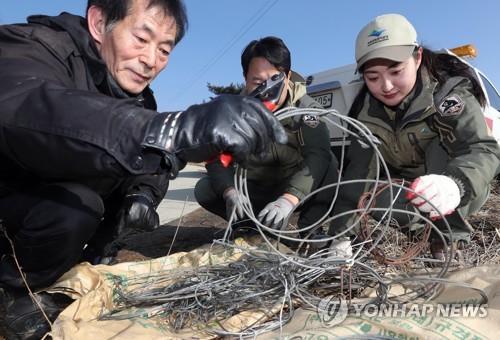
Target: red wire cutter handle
{"x":269,"y":92}
{"x":226,"y":158}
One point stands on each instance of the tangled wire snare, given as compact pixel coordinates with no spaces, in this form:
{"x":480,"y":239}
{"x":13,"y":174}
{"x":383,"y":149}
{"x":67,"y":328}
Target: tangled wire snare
{"x":304,"y":235}
{"x":412,"y":242}
{"x":273,"y":281}
{"x":260,"y":282}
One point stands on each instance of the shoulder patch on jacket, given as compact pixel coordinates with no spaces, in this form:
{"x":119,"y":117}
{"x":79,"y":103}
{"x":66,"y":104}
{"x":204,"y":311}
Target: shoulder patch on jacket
{"x":310,"y":120}
{"x":451,"y":106}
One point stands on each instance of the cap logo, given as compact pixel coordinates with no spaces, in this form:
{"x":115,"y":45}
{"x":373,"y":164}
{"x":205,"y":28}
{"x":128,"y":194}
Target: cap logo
{"x":376,"y":33}
{"x":377,"y":40}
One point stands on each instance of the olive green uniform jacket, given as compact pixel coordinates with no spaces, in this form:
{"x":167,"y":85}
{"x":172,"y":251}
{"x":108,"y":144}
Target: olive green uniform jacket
{"x":447,"y":115}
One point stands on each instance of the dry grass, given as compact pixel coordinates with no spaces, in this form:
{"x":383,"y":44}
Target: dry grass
{"x":484,"y":248}
{"x":485,"y":245}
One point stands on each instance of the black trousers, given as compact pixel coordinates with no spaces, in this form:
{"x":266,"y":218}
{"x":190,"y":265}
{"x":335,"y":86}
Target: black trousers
{"x":49,"y":226}
{"x":310,"y":212}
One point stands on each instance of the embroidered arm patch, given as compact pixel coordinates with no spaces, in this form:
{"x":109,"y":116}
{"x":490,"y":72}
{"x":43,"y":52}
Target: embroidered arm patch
{"x":310,"y":120}
{"x":451,"y":106}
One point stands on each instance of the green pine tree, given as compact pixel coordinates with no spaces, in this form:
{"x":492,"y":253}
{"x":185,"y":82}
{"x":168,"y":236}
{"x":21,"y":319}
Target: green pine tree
{"x":230,"y":89}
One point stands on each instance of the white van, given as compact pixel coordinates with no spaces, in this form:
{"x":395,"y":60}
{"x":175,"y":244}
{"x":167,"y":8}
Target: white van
{"x":336,"y":89}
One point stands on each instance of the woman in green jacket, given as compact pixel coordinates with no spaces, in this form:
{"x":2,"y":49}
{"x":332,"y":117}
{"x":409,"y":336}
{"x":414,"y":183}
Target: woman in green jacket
{"x":426,"y":109}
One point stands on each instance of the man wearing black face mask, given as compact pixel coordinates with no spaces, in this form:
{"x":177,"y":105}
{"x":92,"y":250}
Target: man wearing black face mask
{"x":82,"y":145}
{"x":287,"y":173}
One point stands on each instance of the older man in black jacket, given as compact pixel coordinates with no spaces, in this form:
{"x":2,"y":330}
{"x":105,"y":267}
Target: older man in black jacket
{"x":81,"y":143}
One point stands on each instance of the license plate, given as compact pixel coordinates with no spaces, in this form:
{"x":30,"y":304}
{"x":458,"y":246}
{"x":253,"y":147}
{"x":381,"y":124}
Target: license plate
{"x":324,"y":99}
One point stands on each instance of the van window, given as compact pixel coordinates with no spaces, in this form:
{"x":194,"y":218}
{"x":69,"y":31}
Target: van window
{"x":492,"y":93}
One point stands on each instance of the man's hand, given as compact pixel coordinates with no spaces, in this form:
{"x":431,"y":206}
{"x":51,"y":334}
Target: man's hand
{"x":233,"y":124}
{"x":233,"y":204}
{"x":274,"y":213}
{"x":440,"y":190}
{"x":137,"y":212}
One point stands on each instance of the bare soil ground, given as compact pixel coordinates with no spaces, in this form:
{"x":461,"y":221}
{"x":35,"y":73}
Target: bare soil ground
{"x":200,"y":227}
{"x":190,"y":231}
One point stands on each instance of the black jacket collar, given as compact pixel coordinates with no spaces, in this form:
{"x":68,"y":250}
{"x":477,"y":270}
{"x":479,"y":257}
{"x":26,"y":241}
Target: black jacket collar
{"x":76,"y":27}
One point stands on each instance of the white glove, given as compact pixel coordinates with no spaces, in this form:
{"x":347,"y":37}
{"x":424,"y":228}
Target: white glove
{"x":233,"y":204}
{"x":341,"y":248}
{"x":274,"y":213}
{"x":440,"y":190}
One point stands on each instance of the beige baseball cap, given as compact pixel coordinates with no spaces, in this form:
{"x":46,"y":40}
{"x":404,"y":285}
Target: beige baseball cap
{"x":388,"y":36}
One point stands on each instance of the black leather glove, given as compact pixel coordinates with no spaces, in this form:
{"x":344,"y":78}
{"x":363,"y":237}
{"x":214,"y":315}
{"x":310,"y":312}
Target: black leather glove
{"x":137,"y":213}
{"x":234,"y":124}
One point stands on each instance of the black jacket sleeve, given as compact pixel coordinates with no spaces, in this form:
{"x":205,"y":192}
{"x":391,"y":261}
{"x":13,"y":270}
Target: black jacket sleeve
{"x":154,"y":187}
{"x":52,"y":128}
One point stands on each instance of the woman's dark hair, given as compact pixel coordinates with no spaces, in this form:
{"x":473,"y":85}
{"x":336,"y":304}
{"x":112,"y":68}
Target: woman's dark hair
{"x":358,"y":102}
{"x":440,"y":66}
{"x":117,"y":10}
{"x":273,"y":49}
